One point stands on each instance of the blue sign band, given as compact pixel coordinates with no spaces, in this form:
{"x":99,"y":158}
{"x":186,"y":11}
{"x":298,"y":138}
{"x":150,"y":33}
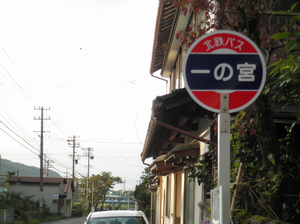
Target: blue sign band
{"x":224,"y":72}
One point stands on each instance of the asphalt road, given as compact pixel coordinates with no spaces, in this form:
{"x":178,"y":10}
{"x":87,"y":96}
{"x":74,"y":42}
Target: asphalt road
{"x":77,"y":220}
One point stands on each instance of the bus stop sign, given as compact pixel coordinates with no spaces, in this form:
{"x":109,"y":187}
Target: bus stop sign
{"x":224,"y":62}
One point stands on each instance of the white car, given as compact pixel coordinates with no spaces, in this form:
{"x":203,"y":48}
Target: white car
{"x":117,"y":217}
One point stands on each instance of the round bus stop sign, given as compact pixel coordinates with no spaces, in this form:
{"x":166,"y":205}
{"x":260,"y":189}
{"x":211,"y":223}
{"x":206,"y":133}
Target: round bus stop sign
{"x":224,"y":62}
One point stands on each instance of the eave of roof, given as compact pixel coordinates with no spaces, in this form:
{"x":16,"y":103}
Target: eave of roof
{"x":176,"y":108}
{"x":159,"y":167}
{"x":164,"y":23}
{"x":175,"y":160}
{"x":182,"y":152}
{"x":157,"y":134}
{"x":169,"y":22}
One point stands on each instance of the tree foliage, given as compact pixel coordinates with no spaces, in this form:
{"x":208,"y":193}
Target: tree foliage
{"x":240,"y":15}
{"x":8,"y":175}
{"x":285,"y":73}
{"x":142,"y":194}
{"x":24,"y":207}
{"x":103,"y":182}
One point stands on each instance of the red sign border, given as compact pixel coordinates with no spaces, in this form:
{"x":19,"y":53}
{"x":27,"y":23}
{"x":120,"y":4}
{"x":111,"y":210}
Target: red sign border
{"x":242,"y":36}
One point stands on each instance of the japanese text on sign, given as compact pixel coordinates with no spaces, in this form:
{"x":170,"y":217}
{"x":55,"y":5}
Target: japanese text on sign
{"x":245,"y":70}
{"x":219,"y":42}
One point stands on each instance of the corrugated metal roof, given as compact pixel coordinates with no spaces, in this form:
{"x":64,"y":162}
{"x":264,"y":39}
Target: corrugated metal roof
{"x":164,"y":22}
{"x":68,"y":185}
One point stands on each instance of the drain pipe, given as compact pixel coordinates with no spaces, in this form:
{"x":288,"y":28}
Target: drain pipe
{"x":146,"y":163}
{"x":151,"y":73}
{"x":159,"y":78}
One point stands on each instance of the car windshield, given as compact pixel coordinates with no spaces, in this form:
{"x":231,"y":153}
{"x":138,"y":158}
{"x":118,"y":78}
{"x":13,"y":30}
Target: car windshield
{"x":116,"y":220}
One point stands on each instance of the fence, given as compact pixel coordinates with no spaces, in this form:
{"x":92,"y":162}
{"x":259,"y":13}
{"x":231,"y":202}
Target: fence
{"x":6,"y":216}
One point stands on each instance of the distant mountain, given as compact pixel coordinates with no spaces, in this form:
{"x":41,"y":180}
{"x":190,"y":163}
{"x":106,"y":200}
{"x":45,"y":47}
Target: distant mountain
{"x":22,"y":169}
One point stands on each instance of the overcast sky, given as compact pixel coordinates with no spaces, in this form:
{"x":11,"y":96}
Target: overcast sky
{"x":88,"y":62}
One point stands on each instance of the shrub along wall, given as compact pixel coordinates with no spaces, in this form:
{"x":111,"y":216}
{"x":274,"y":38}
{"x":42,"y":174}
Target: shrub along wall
{"x":243,"y":217}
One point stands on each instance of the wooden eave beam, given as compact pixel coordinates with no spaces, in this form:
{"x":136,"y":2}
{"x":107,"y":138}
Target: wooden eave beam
{"x":181,"y":156}
{"x":175,"y":141}
{"x":175,"y":133}
{"x":182,"y":161}
{"x":190,"y":152}
{"x":170,"y":127}
{"x":190,"y":127}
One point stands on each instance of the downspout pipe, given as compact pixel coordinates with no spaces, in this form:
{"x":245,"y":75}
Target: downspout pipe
{"x":147,"y":164}
{"x":160,"y":79}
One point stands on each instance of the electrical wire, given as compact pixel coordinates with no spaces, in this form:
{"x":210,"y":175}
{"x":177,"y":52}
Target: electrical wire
{"x":18,"y":136}
{"x":19,"y":142}
{"x":20,"y":73}
{"x":57,"y":125}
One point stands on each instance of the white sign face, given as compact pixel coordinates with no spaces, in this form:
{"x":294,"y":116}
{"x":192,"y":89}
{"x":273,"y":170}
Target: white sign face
{"x":224,"y":62}
{"x":215,"y":205}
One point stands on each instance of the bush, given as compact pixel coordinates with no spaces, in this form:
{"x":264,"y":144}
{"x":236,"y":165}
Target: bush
{"x":107,"y":207}
{"x":123,"y":207}
{"x":79,"y":209}
{"x":26,"y":210}
{"x":116,"y":207}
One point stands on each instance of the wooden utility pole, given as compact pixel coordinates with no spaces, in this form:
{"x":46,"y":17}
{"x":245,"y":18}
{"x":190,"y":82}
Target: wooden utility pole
{"x":47,"y":164}
{"x":42,"y":118}
{"x":72,"y":142}
{"x":90,"y":156}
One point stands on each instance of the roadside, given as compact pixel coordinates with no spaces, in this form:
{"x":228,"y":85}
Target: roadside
{"x":71,"y":220}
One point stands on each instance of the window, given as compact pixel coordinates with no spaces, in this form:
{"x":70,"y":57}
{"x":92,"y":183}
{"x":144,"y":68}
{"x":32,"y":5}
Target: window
{"x":117,"y":220}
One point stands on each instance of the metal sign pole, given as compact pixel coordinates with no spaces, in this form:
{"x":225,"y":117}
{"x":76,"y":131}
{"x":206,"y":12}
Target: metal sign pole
{"x":224,"y":159}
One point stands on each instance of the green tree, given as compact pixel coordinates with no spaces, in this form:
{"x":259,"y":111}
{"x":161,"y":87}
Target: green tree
{"x":23,"y":206}
{"x":82,"y":189}
{"x":284,"y":74}
{"x":8,"y":175}
{"x":142,"y":194}
{"x":103,"y":182}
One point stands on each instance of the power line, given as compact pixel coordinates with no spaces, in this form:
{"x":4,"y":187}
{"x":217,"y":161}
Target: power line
{"x":20,"y":73}
{"x":131,"y":153}
{"x":19,"y":142}
{"x":18,"y":135}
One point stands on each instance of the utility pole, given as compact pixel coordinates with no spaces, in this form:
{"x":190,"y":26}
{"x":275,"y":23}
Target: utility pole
{"x":42,"y":118}
{"x":47,"y":164}
{"x":128,"y":200}
{"x":93,"y":209}
{"x":72,"y":142}
{"x":67,"y":173}
{"x":90,"y":156}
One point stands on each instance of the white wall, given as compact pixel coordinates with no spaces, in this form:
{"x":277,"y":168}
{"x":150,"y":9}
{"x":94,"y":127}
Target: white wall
{"x":33,"y":189}
{"x":204,"y":132}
